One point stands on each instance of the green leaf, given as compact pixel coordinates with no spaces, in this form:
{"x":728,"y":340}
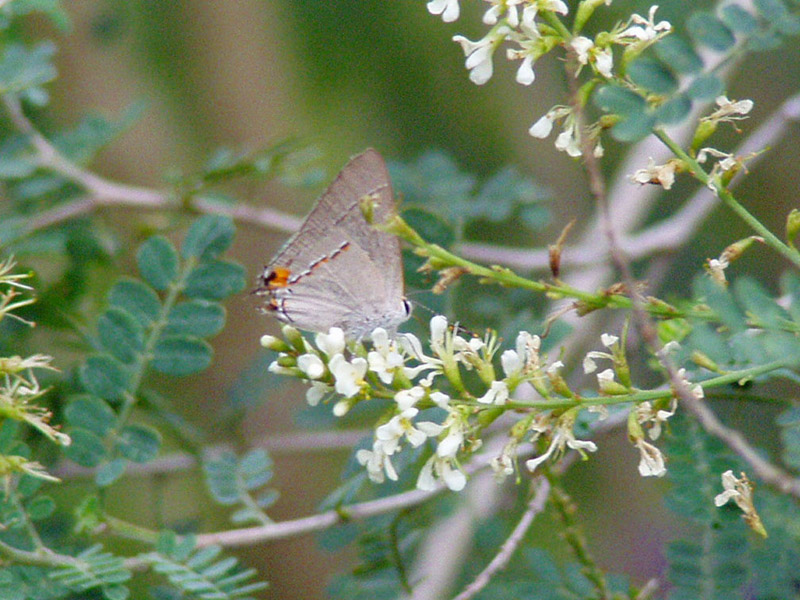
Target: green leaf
{"x":790,"y":285}
{"x":435,"y":182}
{"x":92,"y":568}
{"x":255,"y":468}
{"x":706,"y":87}
{"x":120,"y":334}
{"x":138,"y":443}
{"x":771,"y":10}
{"x":789,"y":422}
{"x":138,"y":299}
{"x":208,"y":237}
{"x":110,"y":472}
{"x":430,"y":226}
{"x":215,"y":280}
{"x":105,"y":377}
{"x":87,"y":448}
{"x":717,"y":564}
{"x":40,"y":508}
{"x":708,"y":30}
{"x":90,"y":413}
{"x":199,"y":576}
{"x":653,"y":76}
{"x":618,"y":100}
{"x":51,"y":8}
{"x":200,"y":318}
{"x":721,"y":302}
{"x":750,"y":294}
{"x":181,"y":355}
{"x":678,"y":54}
{"x":674,"y":110}
{"x":762,"y":41}
{"x":22,"y":68}
{"x":158,"y":262}
{"x":788,"y":25}
{"x":16,"y":159}
{"x":221,"y":478}
{"x":115,"y":592}
{"x":634,"y":127}
{"x":501,"y":195}
{"x":81,"y":143}
{"x":738,"y":19}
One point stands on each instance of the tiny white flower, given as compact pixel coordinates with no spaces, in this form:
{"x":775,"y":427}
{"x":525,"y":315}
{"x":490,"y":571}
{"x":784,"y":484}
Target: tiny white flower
{"x":740,"y":490}
{"x":582,"y":46}
{"x":646,"y":30}
{"x":384,"y":359}
{"x":278,"y":369}
{"x":430,"y":428}
{"x":378,"y":464}
{"x":525,"y":74}
{"x":438,"y":327}
{"x":589,"y":366}
{"x":648,"y":416}
{"x":311,"y":365}
{"x":479,"y":54}
{"x":663,"y":175}
{"x":554,"y":368}
{"x":331,"y":343}
{"x":449,"y":9}
{"x":730,"y":110}
{"x":606,"y":376}
{"x":608,"y":340}
{"x":341,"y":408}
{"x":408,"y":398}
{"x":453,"y":478}
{"x":496,"y":394}
{"x":268,"y":341}
{"x":413,"y":348}
{"x":563,"y":436}
{"x":503,"y":465}
{"x":440,"y":399}
{"x":449,"y":446}
{"x":604,"y":62}
{"x":542,"y":127}
{"x":558,"y":6}
{"x":668,"y":348}
{"x":651,"y":463}
{"x":349,"y":376}
{"x":317,"y":392}
{"x":511,"y":362}
{"x":568,"y":140}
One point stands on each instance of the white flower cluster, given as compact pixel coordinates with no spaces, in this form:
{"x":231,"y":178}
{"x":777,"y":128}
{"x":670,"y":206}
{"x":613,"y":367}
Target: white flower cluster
{"x":515,"y":22}
{"x":397,"y":369}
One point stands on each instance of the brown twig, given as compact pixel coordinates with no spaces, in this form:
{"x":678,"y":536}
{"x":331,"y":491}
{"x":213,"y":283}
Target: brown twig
{"x":501,"y":559}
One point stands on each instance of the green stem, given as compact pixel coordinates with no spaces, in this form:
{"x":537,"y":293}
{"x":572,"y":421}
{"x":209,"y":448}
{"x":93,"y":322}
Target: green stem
{"x":551,"y":19}
{"x":587,"y":302}
{"x":129,"y":531}
{"x":730,"y":201}
{"x":42,"y":557}
{"x":634,"y":397}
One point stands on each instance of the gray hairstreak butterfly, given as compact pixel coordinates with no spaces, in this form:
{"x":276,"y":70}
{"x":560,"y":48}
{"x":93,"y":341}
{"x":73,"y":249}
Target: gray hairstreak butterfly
{"x":338,"y":270}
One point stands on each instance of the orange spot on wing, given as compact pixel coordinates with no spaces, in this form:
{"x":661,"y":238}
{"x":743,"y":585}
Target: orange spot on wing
{"x":277,"y":278}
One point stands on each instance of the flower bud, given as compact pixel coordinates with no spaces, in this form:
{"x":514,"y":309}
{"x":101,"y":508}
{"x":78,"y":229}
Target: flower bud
{"x":270,"y":342}
{"x":703,"y":360}
{"x":294,"y":338}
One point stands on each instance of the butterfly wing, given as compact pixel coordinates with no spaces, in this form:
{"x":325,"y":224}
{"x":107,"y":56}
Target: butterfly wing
{"x":338,"y":270}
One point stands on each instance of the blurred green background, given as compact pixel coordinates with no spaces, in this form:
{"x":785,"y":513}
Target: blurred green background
{"x":343,"y":76}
